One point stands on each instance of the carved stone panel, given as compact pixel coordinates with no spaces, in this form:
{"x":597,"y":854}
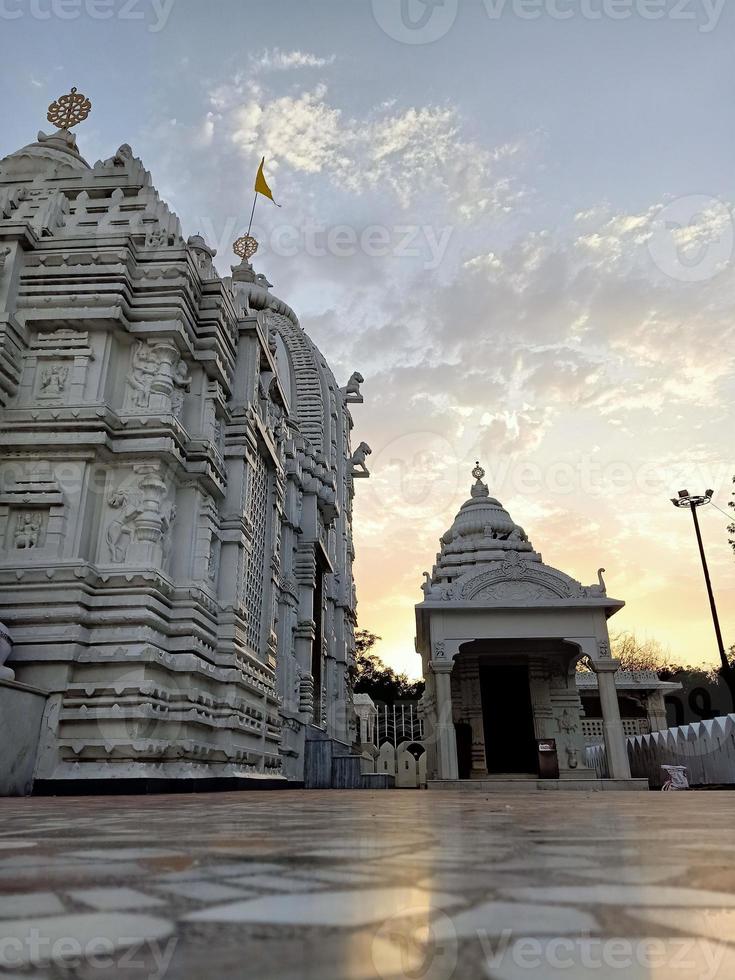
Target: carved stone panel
{"x":32,"y":518}
{"x":516,"y":592}
{"x":157,"y":380}
{"x":27,"y":528}
{"x":55,"y":368}
{"x":140,"y":513}
{"x":518,"y":579}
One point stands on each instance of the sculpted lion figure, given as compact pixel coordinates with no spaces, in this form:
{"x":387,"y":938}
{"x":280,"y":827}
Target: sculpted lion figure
{"x":359,"y":457}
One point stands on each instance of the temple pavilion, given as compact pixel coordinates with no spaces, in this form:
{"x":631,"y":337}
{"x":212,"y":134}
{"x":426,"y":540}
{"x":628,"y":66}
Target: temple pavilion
{"x":501,"y":635}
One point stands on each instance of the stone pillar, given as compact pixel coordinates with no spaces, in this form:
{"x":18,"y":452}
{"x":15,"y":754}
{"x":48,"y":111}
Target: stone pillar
{"x":446,"y":738}
{"x":469,"y":670}
{"x":656,"y":710}
{"x":617,"y":752}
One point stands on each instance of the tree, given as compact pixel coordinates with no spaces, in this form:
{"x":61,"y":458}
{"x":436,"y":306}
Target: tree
{"x":651,"y":655}
{"x":635,"y":654}
{"x":371,"y":676}
{"x":731,"y":529}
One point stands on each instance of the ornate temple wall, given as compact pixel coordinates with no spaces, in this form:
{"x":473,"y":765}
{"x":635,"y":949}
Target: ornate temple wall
{"x":176,"y":485}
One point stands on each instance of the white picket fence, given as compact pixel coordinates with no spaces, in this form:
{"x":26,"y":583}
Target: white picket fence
{"x":410,"y":772}
{"x":706,"y":748}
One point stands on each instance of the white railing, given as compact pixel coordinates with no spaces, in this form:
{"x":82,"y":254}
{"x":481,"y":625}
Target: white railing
{"x":399,"y":723}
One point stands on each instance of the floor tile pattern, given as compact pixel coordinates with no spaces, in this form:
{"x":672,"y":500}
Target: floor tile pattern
{"x":369,"y":886}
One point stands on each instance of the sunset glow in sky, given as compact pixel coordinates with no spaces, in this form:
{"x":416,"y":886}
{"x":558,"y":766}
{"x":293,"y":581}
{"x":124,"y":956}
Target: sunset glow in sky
{"x":519,"y":231}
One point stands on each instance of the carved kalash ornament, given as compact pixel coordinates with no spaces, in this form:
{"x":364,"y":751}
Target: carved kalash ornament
{"x":69,"y":110}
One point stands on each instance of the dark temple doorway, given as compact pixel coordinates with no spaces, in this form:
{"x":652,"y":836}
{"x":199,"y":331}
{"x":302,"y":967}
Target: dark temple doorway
{"x":510,"y":740}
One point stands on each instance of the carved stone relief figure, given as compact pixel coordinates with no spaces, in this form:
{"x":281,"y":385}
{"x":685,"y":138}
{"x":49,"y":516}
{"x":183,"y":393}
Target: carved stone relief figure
{"x":218,"y":435}
{"x":123,"y":156}
{"x":142,"y":374}
{"x":28,"y":530}
{"x":120,"y":530}
{"x":166,"y":536}
{"x":53,"y":380}
{"x":157,"y":238}
{"x":215,"y":546}
{"x":566,"y":723}
{"x":182,"y":383}
{"x":142,"y":529}
{"x":158,"y":378}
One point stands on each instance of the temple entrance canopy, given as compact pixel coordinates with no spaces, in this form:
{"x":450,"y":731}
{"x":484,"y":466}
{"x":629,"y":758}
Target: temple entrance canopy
{"x":501,"y":634}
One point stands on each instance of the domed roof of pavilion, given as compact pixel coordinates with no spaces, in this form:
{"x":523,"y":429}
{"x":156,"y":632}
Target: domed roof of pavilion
{"x":486,"y":557}
{"x":53,"y":153}
{"x":482,"y":531}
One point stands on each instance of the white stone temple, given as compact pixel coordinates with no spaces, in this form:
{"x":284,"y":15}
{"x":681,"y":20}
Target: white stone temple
{"x":176,"y":487}
{"x":500,"y":635}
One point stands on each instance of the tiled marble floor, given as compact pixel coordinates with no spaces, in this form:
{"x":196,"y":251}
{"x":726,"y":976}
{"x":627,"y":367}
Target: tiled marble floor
{"x":346,"y":886}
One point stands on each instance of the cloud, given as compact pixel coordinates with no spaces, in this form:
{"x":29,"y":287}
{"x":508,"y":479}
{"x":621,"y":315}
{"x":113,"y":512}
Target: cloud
{"x":588,"y":348}
{"x":400,"y":153}
{"x":273,"y":59}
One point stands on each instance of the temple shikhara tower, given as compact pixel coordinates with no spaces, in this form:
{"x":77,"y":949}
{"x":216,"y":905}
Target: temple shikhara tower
{"x":176,"y":487}
{"x":501,"y":634}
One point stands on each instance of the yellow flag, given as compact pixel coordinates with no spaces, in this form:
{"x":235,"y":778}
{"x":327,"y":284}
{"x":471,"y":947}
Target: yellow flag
{"x":261,"y":184}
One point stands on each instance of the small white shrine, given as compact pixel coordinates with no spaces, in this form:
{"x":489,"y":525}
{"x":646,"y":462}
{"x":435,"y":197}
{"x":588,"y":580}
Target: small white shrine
{"x":500,"y":635}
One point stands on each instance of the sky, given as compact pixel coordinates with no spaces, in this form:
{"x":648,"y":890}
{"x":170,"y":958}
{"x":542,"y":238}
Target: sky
{"x":515,"y":219}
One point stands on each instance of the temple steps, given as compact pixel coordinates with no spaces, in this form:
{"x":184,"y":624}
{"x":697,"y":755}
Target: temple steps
{"x":530,"y":784}
{"x":331,"y":764}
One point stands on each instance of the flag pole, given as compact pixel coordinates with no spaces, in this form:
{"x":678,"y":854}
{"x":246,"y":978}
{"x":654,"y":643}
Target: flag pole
{"x":255,"y":201}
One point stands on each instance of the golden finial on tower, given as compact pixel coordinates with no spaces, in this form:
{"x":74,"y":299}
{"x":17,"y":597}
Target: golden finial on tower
{"x":245,"y":247}
{"x":69,"y":110}
{"x":478,"y":471}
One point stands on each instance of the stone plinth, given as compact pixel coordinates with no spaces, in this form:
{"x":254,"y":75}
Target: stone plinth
{"x":530,"y":785}
{"x":21,"y":713}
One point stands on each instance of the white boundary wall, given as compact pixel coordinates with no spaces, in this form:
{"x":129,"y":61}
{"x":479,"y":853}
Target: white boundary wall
{"x":706,"y":748}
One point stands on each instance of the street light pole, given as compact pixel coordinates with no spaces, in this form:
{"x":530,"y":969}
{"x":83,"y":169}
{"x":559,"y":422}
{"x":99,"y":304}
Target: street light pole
{"x":685,"y":499}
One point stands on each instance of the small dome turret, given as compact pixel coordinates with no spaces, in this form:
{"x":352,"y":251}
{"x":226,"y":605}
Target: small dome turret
{"x":482,"y":531}
{"x":50,"y":153}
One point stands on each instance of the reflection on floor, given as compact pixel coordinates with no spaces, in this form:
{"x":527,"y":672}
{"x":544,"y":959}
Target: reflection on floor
{"x":345,"y":886}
